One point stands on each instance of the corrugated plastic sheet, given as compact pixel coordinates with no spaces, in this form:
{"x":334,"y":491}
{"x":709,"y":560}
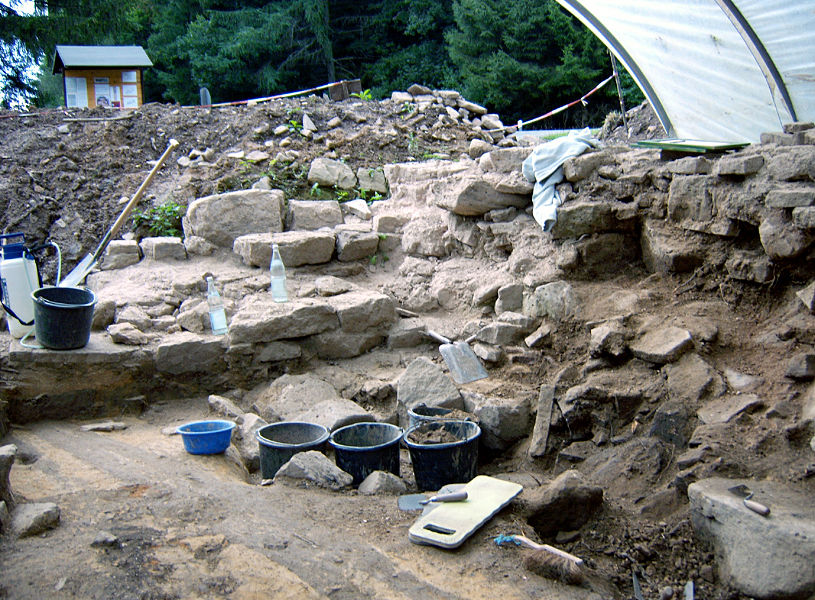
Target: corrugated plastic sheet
{"x":692,"y":61}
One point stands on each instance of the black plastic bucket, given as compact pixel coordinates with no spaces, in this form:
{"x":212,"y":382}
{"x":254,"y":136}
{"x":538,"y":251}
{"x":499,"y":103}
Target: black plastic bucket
{"x":421,"y":413}
{"x":278,"y":442}
{"x":63,"y":316}
{"x":439,"y":464}
{"x":362,"y":448}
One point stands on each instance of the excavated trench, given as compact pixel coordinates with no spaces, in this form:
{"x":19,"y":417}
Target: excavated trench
{"x":636,"y":423}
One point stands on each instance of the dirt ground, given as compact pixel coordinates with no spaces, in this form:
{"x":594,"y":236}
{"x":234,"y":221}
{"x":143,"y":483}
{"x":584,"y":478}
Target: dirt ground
{"x":195,"y":527}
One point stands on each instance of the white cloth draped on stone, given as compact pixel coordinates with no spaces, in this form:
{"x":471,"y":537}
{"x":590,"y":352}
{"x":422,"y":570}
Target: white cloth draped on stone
{"x":544,"y":167}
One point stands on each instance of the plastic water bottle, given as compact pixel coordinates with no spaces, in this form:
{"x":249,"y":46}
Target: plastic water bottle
{"x":18,"y":278}
{"x":277,"y":270}
{"x":217,"y":314}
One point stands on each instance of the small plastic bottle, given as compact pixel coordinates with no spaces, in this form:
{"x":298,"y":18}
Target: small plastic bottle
{"x":217,"y":315}
{"x":277,"y":270}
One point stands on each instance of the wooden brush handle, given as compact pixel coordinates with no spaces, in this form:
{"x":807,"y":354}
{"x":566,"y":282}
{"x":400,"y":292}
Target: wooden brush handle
{"x":551,"y":549}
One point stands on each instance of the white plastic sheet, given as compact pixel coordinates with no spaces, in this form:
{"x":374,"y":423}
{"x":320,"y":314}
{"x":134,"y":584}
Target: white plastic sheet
{"x":707,"y":65}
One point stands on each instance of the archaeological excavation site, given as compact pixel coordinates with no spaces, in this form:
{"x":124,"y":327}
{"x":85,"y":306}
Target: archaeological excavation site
{"x":597,"y":349}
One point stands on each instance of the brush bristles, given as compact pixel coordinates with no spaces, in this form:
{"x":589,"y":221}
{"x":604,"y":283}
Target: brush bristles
{"x":548,"y":565}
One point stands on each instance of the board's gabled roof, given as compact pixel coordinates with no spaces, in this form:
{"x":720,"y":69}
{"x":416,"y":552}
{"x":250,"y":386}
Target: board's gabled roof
{"x":85,"y":57}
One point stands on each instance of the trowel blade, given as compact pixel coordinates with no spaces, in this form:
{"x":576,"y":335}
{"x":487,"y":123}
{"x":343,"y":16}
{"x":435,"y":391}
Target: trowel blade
{"x":411,"y":501}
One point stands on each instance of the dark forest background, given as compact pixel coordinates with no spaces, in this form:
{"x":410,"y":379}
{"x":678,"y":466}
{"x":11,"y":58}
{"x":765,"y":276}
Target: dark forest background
{"x":519,"y":58}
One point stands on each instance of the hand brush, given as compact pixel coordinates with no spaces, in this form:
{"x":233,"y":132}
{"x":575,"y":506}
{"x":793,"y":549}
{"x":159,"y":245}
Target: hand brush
{"x":548,"y":561}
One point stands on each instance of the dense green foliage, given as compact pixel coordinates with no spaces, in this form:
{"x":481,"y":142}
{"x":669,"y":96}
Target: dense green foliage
{"x":519,"y":58}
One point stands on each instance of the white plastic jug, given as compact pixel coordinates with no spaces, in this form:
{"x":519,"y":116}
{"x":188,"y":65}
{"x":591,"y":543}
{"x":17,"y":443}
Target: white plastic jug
{"x":19,"y":277}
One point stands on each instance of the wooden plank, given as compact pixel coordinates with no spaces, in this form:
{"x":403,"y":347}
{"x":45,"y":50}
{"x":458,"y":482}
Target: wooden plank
{"x":540,"y":434}
{"x":690,"y":146}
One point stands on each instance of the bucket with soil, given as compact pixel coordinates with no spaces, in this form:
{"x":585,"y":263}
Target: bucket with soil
{"x":63,"y":316}
{"x":278,"y":442}
{"x":421,"y":413}
{"x":362,"y":448}
{"x":443,"y":451}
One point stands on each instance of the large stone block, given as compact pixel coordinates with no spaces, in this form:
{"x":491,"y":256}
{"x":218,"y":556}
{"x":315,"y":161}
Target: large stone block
{"x":555,"y":300}
{"x":503,"y":421}
{"x":361,"y":310}
{"x":793,"y":164}
{"x":739,"y":165}
{"x":473,"y":195}
{"x":296,"y":248}
{"x":780,"y":238}
{"x":311,"y":215}
{"x":691,"y":165}
{"x":504,"y":160}
{"x":667,"y":250}
{"x":750,"y":266}
{"x":804,"y":217}
{"x":423,"y":382}
{"x":372,"y":180}
{"x":790,"y":196}
{"x":187,"y":352}
{"x":425,"y":237}
{"x":662,"y":346}
{"x":260,"y":319}
{"x":581,"y":167}
{"x":339,"y":344}
{"x":221,"y":218}
{"x":356,"y":245}
{"x":120,"y":254}
{"x":785,"y":542}
{"x":163,"y":248}
{"x":695,"y":203}
{"x":331,"y":173}
{"x":575,"y":219}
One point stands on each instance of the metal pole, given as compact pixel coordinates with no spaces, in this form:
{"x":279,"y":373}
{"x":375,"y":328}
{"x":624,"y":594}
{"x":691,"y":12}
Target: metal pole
{"x":619,"y":91}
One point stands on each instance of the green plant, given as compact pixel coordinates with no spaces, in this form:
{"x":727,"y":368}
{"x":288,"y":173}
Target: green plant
{"x":294,"y":126}
{"x":162,"y":220}
{"x":315,"y":191}
{"x":413,"y":144}
{"x":342,"y":195}
{"x":363,"y":95}
{"x":407,"y":109}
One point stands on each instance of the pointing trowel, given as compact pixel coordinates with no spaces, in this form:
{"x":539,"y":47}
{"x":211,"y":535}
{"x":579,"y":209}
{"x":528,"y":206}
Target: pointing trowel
{"x":419,"y":501}
{"x":742,"y":491}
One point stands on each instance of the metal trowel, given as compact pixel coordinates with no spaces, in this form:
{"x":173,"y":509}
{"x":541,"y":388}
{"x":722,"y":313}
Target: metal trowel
{"x":419,"y":501}
{"x":742,"y":491}
{"x":460,"y":359}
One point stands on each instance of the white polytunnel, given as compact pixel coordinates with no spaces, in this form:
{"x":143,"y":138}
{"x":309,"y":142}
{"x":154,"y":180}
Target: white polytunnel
{"x":713,"y":70}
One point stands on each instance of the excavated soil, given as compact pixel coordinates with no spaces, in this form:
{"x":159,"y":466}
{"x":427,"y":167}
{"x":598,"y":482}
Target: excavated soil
{"x":192,"y":527}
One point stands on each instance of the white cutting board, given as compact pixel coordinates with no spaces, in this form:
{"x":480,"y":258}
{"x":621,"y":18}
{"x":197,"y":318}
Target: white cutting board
{"x":449,"y":524}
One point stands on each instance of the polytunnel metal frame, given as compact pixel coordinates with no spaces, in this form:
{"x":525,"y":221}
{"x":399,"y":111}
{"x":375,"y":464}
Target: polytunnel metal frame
{"x":645,"y":35}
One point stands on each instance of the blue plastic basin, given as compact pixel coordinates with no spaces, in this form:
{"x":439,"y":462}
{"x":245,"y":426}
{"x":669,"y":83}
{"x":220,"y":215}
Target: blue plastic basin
{"x":206,"y":437}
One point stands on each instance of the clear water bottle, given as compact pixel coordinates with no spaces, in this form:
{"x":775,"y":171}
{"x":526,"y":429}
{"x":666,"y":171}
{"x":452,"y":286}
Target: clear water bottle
{"x":217,"y":314}
{"x":277,"y":270}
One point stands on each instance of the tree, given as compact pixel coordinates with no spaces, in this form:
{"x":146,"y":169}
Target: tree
{"x":240,"y":50}
{"x":391,"y":44}
{"x":522,"y":57}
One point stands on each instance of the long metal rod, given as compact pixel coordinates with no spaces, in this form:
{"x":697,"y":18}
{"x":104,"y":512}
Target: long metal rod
{"x":619,"y":92}
{"x":608,"y":38}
